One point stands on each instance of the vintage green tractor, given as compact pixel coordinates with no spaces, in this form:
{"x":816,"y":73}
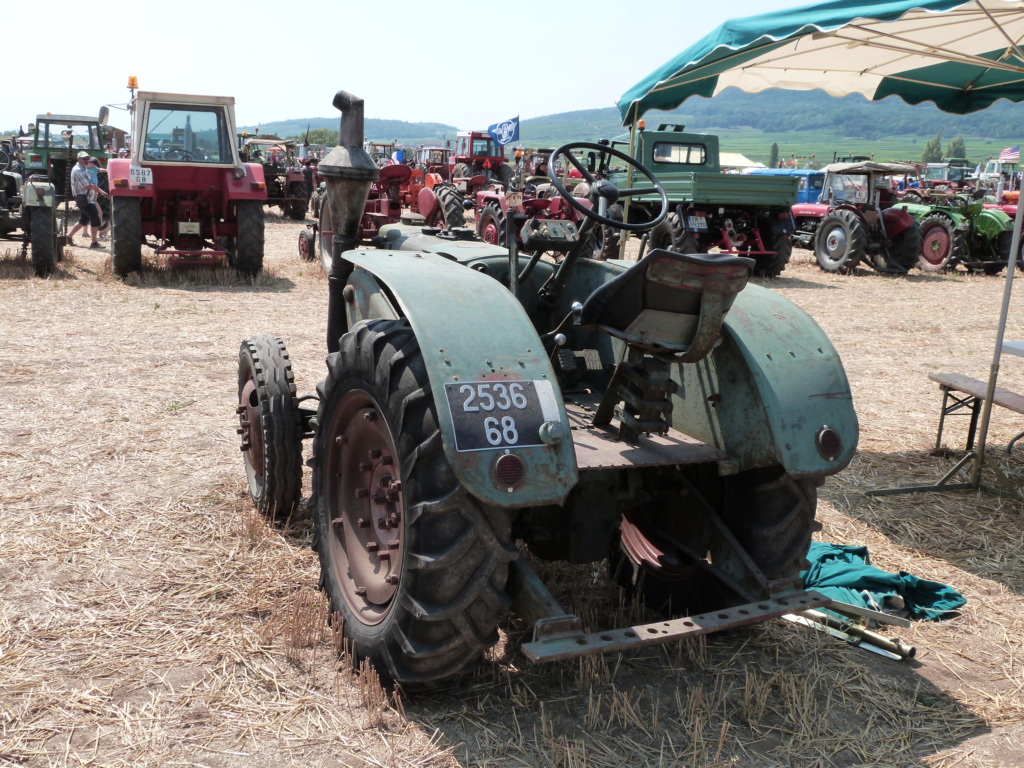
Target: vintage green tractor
{"x":958,"y":229}
{"x":664,"y":415}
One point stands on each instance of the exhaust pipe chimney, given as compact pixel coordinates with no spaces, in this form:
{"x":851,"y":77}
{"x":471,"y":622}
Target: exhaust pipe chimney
{"x":349,"y":173}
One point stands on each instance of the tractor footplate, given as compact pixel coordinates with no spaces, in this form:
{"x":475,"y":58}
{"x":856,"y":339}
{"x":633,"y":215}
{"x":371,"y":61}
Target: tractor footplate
{"x":566,"y":645}
{"x":601,"y":448}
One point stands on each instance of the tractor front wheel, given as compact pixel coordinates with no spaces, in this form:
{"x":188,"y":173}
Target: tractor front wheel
{"x":307,"y":245}
{"x":775,"y":264}
{"x":671,"y":235}
{"x":250,"y":242}
{"x":270,"y":426}
{"x":450,"y":200}
{"x":414,"y":565}
{"x":904,"y":250}
{"x":840,"y":241}
{"x":493,"y":225}
{"x":941,"y":243}
{"x":42,"y":237}
{"x":126,"y":233}
{"x":606,"y":238}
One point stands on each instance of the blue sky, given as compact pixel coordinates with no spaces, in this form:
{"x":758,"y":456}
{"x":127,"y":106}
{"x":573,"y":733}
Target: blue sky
{"x":467,"y":64}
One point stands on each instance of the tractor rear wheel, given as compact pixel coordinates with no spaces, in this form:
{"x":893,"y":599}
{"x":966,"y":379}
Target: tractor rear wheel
{"x":904,"y":250}
{"x":581,"y":190}
{"x":774,"y":265}
{"x":250,"y":243}
{"x":942,"y":244}
{"x":450,"y":200}
{"x":505,"y":173}
{"x":270,"y":426}
{"x":307,"y":245}
{"x":606,"y":238}
{"x":461,"y":171}
{"x":1003,"y":245}
{"x":770,"y":514}
{"x":840,"y":241}
{"x":126,"y":233}
{"x":42,"y":237}
{"x":912,"y":196}
{"x":492,"y":225}
{"x":670,"y":234}
{"x":415,"y":566}
{"x":297,"y":207}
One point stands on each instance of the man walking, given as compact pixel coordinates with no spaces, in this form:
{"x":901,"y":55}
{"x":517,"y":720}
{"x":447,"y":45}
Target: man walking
{"x":88,"y":213}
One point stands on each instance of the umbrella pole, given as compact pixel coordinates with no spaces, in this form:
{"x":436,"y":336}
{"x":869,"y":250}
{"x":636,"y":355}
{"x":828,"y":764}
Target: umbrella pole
{"x":624,"y":234}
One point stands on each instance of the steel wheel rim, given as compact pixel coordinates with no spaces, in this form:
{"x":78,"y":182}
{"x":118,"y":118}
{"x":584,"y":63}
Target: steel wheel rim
{"x":251,"y":431}
{"x":937,"y":246}
{"x":363,"y":506}
{"x":490,"y":232}
{"x":836,"y":243}
{"x":303,"y":248}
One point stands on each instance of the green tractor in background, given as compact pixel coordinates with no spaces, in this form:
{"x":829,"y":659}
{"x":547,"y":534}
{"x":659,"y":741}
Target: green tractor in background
{"x":662,"y":415}
{"x":958,"y":229}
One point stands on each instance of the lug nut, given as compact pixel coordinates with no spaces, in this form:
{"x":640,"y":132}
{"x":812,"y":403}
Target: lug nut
{"x":379,"y":498}
{"x":393,"y":519}
{"x":383,"y":555}
{"x":370,"y":415}
{"x":365,"y":466}
{"x":391,"y":578}
{"x":362,"y":522}
{"x":382,"y":523}
{"x":341,"y":440}
{"x":245,"y":446}
{"x":375,"y":453}
{"x":372,"y":546}
{"x":385,"y":481}
{"x":393,"y":544}
{"x":241,"y":431}
{"x":338,"y":522}
{"x":240,"y":410}
{"x":361,"y":591}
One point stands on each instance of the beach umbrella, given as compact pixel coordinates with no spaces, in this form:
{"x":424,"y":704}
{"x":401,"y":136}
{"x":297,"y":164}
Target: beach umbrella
{"x":962,"y":56}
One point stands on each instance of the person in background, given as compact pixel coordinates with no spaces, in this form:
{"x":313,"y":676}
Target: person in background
{"x":95,"y":170}
{"x":88,"y":216}
{"x":307,"y":177}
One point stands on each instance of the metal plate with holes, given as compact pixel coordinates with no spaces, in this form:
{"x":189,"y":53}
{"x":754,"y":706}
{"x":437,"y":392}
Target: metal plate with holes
{"x":568,"y":645}
{"x":500,"y":414}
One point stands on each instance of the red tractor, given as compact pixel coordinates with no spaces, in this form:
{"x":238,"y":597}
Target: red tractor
{"x":184,"y":190}
{"x":477,"y":154}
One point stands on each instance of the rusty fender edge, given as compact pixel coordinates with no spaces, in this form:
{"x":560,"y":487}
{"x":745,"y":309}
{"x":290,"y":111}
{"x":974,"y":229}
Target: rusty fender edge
{"x":470,"y":329}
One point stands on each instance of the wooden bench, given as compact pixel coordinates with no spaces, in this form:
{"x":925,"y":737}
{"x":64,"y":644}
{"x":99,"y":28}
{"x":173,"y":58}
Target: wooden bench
{"x":960,"y":392}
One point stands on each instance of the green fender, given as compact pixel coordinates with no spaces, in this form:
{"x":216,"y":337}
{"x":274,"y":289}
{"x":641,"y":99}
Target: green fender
{"x":992,"y":223}
{"x":470,"y":329}
{"x":38,"y":194}
{"x":769,"y":387}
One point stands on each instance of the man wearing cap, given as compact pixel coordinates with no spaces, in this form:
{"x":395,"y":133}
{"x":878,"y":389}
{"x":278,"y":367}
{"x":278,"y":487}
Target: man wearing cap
{"x":88,"y":215}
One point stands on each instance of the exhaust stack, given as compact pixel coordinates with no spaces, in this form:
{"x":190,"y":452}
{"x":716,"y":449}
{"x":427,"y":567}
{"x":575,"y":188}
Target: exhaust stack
{"x":349,"y":173}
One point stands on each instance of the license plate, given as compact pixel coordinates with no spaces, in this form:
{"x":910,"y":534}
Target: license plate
{"x":696,"y":222}
{"x":500,"y":414}
{"x":139,"y":175}
{"x":514,"y":199}
{"x":188,"y":227}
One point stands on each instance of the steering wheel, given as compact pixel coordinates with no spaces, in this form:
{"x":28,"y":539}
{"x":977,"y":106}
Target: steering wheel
{"x":607,"y":193}
{"x":176,"y":153}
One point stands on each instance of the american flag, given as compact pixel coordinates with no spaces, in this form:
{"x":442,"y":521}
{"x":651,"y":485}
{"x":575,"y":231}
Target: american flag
{"x":1010,"y":153}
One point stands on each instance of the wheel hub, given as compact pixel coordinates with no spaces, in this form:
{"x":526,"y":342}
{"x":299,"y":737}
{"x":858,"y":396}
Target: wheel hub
{"x":936,"y":245}
{"x":836,"y":242}
{"x":365,"y":509}
{"x":250,"y":428}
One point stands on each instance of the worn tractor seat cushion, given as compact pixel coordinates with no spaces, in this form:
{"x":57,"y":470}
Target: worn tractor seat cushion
{"x":616,"y":303}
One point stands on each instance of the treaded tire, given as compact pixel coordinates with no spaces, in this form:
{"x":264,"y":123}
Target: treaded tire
{"x":270,"y":414}
{"x":840,"y":242}
{"x":912,"y":197}
{"x":450,"y":200}
{"x":126,"y":235}
{"x":904,"y":250}
{"x":439,"y":612}
{"x":250,"y":242}
{"x":775,"y":264}
{"x":43,"y":240}
{"x":461,"y":171}
{"x":505,"y":173}
{"x":942,"y":244}
{"x":307,"y":245}
{"x":670,"y":234}
{"x":297,"y":208}
{"x":606,"y":238}
{"x":492,"y":225}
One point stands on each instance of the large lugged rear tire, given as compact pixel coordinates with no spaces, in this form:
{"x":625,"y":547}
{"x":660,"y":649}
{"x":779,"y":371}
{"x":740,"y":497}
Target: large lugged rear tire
{"x":42,"y":238}
{"x":840,"y":241}
{"x":774,"y":265}
{"x":671,"y":235}
{"x":904,"y":250}
{"x":415,"y":566}
{"x":450,"y":200}
{"x":126,"y":245}
{"x":250,"y":242}
{"x":270,"y":426}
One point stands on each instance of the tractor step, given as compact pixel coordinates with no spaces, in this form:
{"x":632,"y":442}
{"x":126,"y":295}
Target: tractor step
{"x":559,"y":645}
{"x":601,"y":448}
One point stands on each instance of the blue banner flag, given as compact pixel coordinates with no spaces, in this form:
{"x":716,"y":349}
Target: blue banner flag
{"x":505,"y":132}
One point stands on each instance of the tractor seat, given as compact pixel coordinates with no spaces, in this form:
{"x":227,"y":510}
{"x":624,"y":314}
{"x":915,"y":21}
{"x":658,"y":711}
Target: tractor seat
{"x":669,"y":303}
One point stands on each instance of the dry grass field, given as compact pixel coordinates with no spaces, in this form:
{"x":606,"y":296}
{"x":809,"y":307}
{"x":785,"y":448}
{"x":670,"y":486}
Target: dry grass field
{"x":148,"y":618}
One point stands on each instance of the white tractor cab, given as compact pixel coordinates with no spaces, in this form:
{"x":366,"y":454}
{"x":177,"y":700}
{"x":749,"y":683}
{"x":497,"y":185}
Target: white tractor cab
{"x":177,"y":128}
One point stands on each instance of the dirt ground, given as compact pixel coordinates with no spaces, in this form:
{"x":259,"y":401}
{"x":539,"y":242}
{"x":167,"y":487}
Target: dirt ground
{"x":148,"y":618}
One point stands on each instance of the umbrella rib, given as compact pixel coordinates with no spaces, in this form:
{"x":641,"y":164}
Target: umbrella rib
{"x":997,"y":25}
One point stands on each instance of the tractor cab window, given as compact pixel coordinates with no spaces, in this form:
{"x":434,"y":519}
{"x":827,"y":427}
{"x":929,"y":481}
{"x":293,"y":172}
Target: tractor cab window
{"x":851,"y":188}
{"x":683,"y":154}
{"x":186,"y":133}
{"x":81,"y":136}
{"x":935,"y":173}
{"x":817,"y":183}
{"x":482,"y":148}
